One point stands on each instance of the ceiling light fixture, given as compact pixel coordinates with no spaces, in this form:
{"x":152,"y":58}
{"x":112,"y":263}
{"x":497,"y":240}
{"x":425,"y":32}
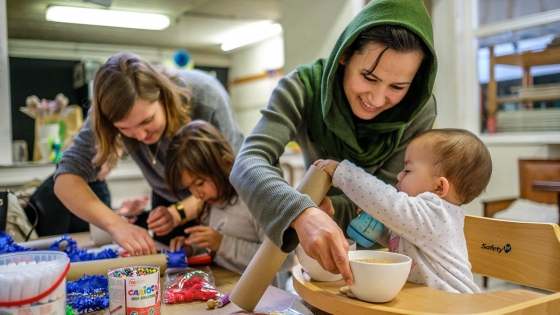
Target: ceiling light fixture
{"x":249,"y":34}
{"x":102,"y":17}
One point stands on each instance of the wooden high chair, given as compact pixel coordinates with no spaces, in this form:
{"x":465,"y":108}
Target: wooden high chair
{"x":532,"y":259}
{"x":526,"y":253}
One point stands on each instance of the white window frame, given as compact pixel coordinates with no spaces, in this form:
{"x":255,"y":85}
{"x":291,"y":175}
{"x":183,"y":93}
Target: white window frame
{"x":5,"y":107}
{"x":457,"y":89}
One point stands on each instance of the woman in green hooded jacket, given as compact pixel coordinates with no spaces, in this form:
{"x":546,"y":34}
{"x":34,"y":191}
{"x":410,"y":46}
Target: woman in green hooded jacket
{"x":363,"y":104}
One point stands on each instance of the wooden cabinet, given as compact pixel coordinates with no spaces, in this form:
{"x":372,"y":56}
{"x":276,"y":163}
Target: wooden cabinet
{"x":527,"y":92}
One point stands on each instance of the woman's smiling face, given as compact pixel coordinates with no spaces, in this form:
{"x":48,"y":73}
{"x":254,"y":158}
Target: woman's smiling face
{"x":369,"y":94}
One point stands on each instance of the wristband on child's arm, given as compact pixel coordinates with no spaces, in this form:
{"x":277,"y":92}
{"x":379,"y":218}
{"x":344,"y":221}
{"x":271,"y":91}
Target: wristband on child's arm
{"x":182,"y":213}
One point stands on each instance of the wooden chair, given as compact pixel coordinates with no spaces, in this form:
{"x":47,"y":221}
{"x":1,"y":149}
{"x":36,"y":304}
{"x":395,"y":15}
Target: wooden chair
{"x":526,"y":253}
{"x":530,"y":170}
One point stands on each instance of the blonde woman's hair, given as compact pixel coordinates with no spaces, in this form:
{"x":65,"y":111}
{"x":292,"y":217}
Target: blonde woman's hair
{"x":118,"y":84}
{"x":461,"y":157}
{"x":201,"y":150}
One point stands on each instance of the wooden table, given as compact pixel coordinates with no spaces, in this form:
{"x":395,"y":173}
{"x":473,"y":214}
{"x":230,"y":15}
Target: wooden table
{"x":324,"y":298}
{"x":417,"y":299}
{"x":274,"y":299}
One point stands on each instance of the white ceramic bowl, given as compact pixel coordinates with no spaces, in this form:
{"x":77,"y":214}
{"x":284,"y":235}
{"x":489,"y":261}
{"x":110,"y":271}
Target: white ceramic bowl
{"x":378,"y":282}
{"x":312,"y":267}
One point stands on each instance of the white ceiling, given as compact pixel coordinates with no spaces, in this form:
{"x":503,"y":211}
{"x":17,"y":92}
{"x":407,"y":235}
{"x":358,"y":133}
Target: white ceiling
{"x":197,"y":25}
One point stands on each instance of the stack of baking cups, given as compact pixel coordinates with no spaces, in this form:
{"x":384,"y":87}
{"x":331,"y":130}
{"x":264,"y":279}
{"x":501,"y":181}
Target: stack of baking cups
{"x":33,"y":282}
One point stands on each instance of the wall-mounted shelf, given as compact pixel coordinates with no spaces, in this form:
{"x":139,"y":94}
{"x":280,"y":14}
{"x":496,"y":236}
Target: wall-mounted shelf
{"x":542,"y":92}
{"x":20,"y":174}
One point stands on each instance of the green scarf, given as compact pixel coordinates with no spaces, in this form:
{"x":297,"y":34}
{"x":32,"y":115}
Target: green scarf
{"x":331,"y":123}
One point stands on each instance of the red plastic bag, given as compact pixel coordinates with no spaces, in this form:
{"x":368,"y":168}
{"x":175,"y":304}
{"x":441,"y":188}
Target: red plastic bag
{"x":183,"y":285}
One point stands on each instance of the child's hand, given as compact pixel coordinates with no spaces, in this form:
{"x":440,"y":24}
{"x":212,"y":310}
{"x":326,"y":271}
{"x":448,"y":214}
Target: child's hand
{"x":179,"y":242}
{"x":204,"y":236}
{"x":176,"y":243}
{"x":329,"y":166}
{"x":131,"y":208}
{"x":160,"y":221}
{"x":326,"y":206}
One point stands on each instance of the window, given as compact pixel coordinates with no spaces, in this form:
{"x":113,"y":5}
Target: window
{"x":519,"y":65}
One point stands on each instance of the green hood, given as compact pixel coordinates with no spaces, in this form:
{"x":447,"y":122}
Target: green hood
{"x":328,"y":114}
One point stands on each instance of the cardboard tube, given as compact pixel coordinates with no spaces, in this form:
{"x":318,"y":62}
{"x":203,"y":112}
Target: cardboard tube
{"x":102,"y":266}
{"x":269,"y":258}
{"x":42,"y":243}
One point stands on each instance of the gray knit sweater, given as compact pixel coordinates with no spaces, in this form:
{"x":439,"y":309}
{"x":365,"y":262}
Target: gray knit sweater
{"x":258,"y":178}
{"x":210,"y":103}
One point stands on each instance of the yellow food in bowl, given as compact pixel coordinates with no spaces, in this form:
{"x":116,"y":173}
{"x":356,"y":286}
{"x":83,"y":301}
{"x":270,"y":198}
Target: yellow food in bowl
{"x":372,"y":260}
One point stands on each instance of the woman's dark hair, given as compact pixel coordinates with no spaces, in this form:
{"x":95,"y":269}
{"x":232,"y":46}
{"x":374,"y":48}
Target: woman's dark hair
{"x":397,"y":38}
{"x":201,"y":150}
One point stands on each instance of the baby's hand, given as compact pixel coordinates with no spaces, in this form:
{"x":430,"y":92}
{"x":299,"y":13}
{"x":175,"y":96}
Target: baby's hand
{"x":329,"y":166}
{"x":326,"y":206}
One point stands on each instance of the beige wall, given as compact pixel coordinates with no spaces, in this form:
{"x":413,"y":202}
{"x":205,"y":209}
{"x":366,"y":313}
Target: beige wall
{"x":504,"y":183}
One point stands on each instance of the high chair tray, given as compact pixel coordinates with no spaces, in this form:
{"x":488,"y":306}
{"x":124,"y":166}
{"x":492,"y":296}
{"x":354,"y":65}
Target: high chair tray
{"x":417,"y":299}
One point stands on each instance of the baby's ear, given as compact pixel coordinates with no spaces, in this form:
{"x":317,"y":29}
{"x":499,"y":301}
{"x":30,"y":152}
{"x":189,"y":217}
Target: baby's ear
{"x":442,"y":187}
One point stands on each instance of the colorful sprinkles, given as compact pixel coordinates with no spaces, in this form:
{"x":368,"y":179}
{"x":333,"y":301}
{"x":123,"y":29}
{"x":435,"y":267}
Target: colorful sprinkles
{"x":132,"y":272}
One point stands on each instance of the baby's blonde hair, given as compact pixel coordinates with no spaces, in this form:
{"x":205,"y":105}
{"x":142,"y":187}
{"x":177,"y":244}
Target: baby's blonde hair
{"x":461,"y":157}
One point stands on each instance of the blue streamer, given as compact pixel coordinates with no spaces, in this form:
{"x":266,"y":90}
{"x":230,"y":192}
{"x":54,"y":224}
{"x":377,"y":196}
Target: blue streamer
{"x":93,"y":284}
{"x":71,"y":249}
{"x":76,"y":255}
{"x":7,"y":244}
{"x":88,"y":294}
{"x":88,"y":305}
{"x":177,"y":259}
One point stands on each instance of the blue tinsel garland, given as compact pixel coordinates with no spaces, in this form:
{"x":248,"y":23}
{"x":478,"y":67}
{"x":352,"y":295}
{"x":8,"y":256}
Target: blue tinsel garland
{"x":88,"y":294}
{"x":177,"y":259}
{"x":7,"y":244}
{"x":75,"y":254}
{"x":94,"y":284}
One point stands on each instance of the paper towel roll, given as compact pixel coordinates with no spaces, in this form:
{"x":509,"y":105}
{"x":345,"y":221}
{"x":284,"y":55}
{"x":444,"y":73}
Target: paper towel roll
{"x":100,"y":267}
{"x":269,"y":258}
{"x":42,"y":243}
{"x":99,"y":236}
